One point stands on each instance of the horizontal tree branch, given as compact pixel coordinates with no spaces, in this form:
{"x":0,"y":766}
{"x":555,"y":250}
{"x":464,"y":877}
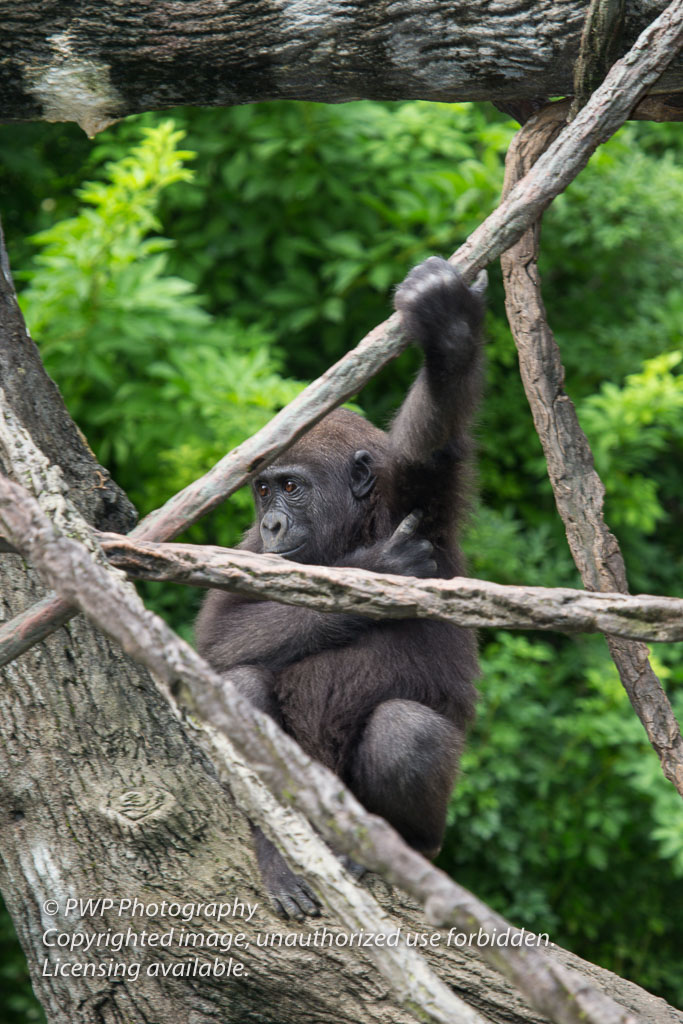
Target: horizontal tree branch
{"x":607,"y":109}
{"x":468,"y":602}
{"x":68,"y":567}
{"x":92,"y":64}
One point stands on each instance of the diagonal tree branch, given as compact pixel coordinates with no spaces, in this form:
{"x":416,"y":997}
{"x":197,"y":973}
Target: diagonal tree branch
{"x":578,"y":490}
{"x":610,"y":105}
{"x":297,"y":781}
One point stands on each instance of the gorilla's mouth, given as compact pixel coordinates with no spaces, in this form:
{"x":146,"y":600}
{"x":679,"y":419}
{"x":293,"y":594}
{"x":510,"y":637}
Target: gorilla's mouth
{"x":286,"y":554}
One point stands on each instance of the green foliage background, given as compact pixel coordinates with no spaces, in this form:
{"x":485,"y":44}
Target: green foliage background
{"x":179,"y":300}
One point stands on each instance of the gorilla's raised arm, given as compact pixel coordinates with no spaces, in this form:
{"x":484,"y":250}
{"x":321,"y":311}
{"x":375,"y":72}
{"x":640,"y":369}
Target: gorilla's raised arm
{"x":431,"y":446}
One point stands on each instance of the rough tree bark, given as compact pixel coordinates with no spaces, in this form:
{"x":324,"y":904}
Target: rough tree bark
{"x":94,"y":63}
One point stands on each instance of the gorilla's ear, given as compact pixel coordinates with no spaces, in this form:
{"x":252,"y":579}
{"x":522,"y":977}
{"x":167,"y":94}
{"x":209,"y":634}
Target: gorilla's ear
{"x":362,"y":476}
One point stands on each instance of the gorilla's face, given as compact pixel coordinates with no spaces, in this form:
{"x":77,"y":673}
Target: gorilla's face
{"x":283,"y":500}
{"x":307,"y":512}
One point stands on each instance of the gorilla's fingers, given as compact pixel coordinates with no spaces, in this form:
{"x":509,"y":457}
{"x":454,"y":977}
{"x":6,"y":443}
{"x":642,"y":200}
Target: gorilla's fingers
{"x":409,"y":525}
{"x":307,"y":899}
{"x":278,"y":908}
{"x":298,"y":902}
{"x":480,"y":283}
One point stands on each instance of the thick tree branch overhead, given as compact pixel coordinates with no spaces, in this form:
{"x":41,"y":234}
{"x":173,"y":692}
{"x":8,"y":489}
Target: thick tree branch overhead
{"x":90,"y":63}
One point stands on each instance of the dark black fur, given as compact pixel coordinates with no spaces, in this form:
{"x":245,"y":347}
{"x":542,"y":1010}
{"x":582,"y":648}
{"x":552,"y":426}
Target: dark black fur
{"x":383,"y":704}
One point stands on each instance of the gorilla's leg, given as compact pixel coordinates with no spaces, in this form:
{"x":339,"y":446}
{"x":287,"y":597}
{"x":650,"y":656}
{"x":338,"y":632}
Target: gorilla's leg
{"x":291,"y":896}
{"x":404,"y":768}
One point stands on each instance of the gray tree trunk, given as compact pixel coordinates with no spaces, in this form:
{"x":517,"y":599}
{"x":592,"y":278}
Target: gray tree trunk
{"x":93,"y":63}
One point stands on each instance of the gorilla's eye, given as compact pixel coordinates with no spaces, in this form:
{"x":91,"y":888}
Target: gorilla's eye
{"x":263,"y":490}
{"x":290,"y":486}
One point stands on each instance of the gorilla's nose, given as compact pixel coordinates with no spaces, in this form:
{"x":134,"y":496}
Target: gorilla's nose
{"x":274,"y":526}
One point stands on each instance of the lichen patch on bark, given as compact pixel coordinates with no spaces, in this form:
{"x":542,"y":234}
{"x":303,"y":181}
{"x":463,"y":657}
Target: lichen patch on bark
{"x":74,"y":88}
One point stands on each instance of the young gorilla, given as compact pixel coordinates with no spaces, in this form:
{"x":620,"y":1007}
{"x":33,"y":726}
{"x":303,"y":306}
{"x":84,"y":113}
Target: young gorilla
{"x":384,"y":704}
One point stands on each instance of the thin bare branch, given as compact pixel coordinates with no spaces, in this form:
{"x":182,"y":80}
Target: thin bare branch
{"x":578,"y":490}
{"x":67,"y":566}
{"x":32,"y":625}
